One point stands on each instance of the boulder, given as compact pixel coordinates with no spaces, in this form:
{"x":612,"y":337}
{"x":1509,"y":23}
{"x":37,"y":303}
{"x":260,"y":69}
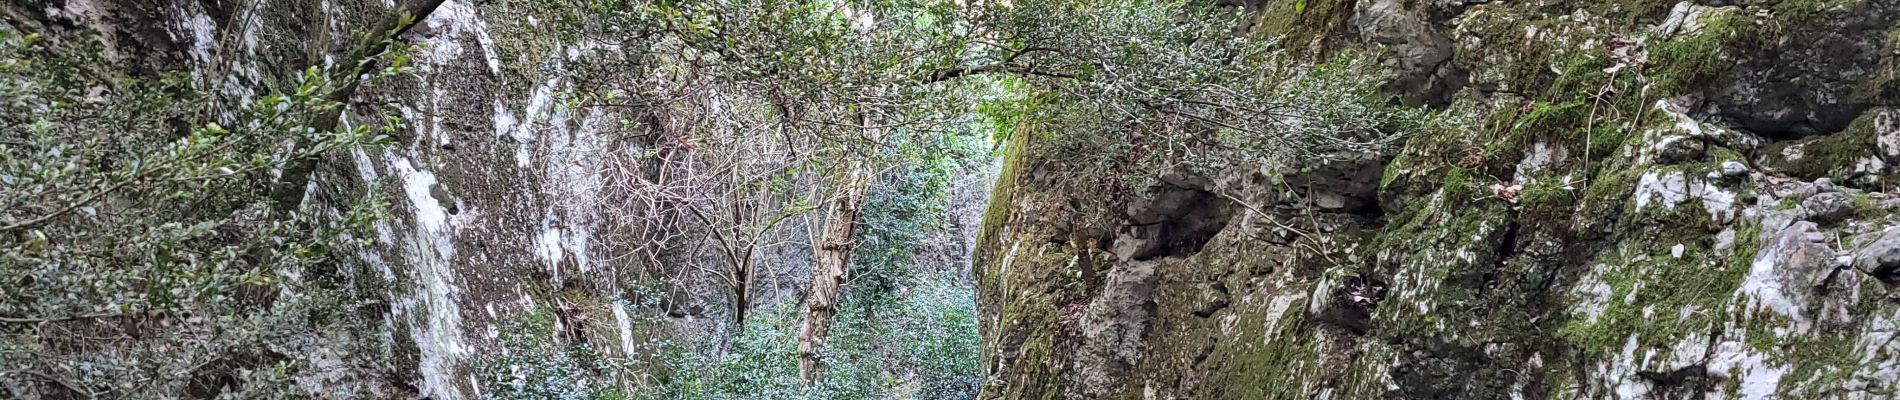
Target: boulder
{"x":1881,"y":258}
{"x":1806,"y":84}
{"x":1828,"y":208}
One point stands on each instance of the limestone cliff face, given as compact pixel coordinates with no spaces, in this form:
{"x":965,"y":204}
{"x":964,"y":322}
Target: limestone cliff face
{"x":1636,"y":199}
{"x":494,"y":178}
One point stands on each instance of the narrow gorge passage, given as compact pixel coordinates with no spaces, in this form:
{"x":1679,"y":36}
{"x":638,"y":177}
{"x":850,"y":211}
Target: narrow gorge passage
{"x":947,"y":199}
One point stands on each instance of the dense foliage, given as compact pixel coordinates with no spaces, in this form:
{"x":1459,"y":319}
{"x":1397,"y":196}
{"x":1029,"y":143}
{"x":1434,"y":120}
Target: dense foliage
{"x":916,"y":346}
{"x":138,"y":244}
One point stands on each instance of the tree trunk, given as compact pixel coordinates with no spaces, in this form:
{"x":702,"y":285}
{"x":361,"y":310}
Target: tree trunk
{"x":741,"y":303}
{"x":833,"y":257}
{"x":741,"y":295}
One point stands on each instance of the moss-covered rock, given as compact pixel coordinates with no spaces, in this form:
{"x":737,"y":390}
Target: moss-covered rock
{"x":1588,"y":226}
{"x":1858,"y":155}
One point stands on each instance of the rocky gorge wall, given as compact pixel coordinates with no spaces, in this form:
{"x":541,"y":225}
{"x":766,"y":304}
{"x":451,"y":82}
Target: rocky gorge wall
{"x":1638,"y":198}
{"x":1632,"y":199}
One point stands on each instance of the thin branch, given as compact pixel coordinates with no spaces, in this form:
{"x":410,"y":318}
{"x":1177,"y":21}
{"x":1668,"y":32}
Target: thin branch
{"x":35,"y":320}
{"x":944,"y":74}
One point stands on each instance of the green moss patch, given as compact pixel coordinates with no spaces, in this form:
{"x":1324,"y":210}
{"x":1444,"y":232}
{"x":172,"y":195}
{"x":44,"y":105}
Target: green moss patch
{"x":1701,"y":282}
{"x":1689,"y":62}
{"x":1267,"y":365}
{"x":1883,"y":86}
